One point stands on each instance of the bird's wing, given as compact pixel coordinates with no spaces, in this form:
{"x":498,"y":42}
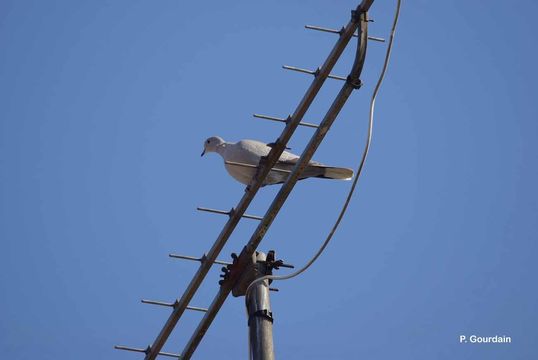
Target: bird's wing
{"x":292,"y":160}
{"x":257,"y":149}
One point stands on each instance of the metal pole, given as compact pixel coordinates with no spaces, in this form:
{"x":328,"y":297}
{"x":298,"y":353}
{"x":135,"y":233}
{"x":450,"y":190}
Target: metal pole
{"x":260,"y":317}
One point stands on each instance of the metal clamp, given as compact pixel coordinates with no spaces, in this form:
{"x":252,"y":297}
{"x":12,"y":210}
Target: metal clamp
{"x":355,"y":83}
{"x":261,"y":313}
{"x":227,"y":269}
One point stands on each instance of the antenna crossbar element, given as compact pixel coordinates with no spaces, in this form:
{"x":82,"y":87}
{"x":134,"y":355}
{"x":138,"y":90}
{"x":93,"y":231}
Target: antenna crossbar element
{"x":235,"y":163}
{"x":365,"y":5}
{"x":334,"y":31}
{"x":274,"y":118}
{"x":162,"y":303}
{"x":251,"y":190}
{"x":146,"y":351}
{"x":200,"y":259}
{"x":196,"y":308}
{"x":229,"y":213}
{"x":361,"y":20}
{"x":312,"y":72}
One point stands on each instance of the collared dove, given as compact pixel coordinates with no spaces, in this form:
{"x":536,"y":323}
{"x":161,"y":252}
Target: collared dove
{"x":250,"y":151}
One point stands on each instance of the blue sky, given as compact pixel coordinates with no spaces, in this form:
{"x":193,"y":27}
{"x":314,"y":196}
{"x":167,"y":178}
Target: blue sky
{"x":104,"y":107}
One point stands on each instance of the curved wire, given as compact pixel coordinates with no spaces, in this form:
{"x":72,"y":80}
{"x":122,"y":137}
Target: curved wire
{"x":359,"y":169}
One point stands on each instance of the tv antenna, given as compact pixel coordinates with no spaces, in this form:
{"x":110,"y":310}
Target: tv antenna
{"x":250,"y":272}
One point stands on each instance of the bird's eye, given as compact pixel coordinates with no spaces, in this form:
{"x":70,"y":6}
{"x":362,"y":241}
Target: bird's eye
{"x":207,"y":142}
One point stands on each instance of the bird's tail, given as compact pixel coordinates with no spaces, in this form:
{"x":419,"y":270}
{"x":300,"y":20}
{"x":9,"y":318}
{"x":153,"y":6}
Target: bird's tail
{"x":327,"y":172}
{"x":337,"y":173}
{"x":318,"y":170}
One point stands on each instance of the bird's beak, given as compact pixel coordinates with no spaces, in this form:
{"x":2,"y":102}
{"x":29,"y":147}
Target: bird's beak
{"x":203,"y":152}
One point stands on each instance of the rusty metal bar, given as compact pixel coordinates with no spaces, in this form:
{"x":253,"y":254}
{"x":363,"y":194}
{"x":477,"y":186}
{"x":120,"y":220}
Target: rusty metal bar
{"x":365,"y":5}
{"x":162,"y":303}
{"x":360,"y":18}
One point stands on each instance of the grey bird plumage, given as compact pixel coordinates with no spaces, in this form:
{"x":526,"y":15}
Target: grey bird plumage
{"x":250,"y":151}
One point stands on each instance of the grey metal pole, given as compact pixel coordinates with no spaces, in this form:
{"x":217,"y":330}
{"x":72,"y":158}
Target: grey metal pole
{"x":260,"y":317}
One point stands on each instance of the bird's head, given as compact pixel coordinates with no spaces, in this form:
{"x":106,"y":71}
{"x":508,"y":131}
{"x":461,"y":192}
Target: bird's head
{"x":212,"y":143}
